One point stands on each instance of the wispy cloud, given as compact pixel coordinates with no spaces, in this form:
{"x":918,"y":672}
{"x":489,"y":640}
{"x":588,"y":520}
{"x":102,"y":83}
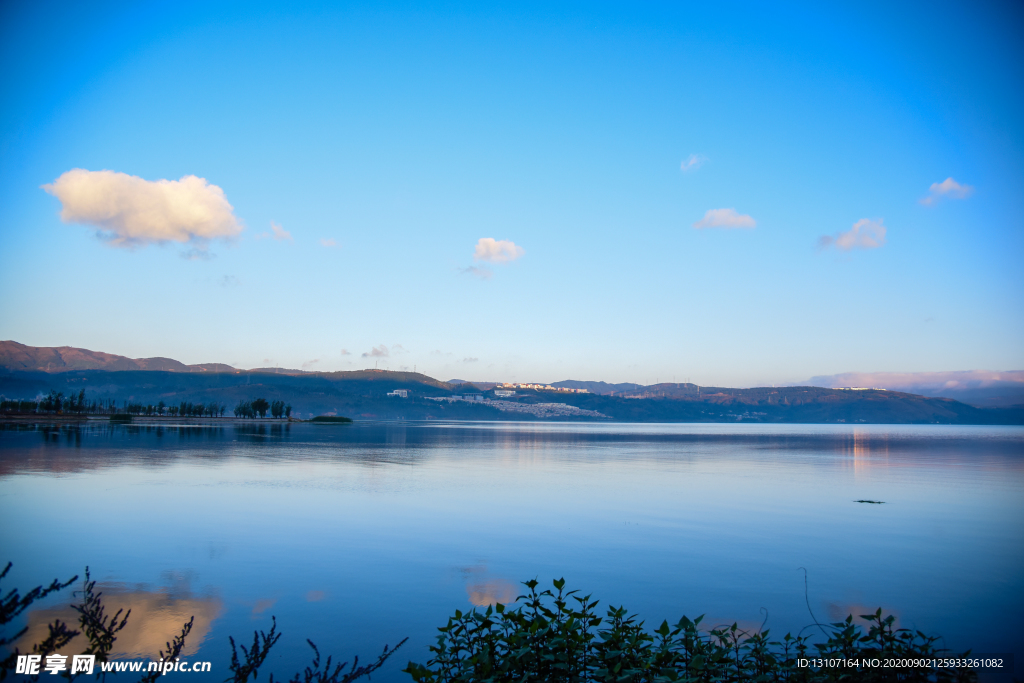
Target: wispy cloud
{"x":198,"y":253}
{"x":947,"y":189}
{"x":482,"y":273}
{"x":130,"y":211}
{"x":310,"y":363}
{"x":377,"y":352}
{"x":725,"y":218}
{"x":277,"y":232}
{"x":346,"y":352}
{"x":866,"y":233}
{"x":328,"y":243}
{"x":693,"y":162}
{"x":470,"y":360}
{"x":497,"y":251}
{"x":230,"y":281}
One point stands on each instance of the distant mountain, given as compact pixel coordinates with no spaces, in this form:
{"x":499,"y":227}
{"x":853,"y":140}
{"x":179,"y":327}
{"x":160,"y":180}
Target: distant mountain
{"x":28,"y":372}
{"x":984,"y":388}
{"x":630,"y":388}
{"x":15,"y":356}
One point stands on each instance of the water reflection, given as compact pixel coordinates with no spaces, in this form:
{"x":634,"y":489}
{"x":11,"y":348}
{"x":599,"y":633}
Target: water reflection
{"x":45,"y":447}
{"x":156,"y":617}
{"x":372,"y":532}
{"x":492,"y":592}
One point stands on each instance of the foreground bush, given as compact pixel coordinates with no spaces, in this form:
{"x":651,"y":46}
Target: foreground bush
{"x":558,"y":637}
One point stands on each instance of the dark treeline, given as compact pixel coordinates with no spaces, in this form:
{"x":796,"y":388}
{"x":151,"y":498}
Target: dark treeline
{"x":258,"y":407}
{"x":76,"y":404}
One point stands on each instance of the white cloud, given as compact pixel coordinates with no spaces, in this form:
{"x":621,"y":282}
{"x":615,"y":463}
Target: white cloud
{"x":725,"y":218}
{"x":377,"y":352}
{"x":948,"y":188}
{"x":497,"y":251}
{"x":693,"y":162}
{"x":278,"y":233}
{"x":865,"y":234}
{"x":346,"y":352}
{"x":131,"y":211}
{"x":470,"y":359}
{"x":230,"y":281}
{"x":328,"y":243}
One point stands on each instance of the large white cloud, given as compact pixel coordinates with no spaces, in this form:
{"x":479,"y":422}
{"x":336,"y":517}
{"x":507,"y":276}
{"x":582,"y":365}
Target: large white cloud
{"x":131,"y":211}
{"x":497,"y":251}
{"x":865,"y":234}
{"x":725,"y":218}
{"x":947,"y":189}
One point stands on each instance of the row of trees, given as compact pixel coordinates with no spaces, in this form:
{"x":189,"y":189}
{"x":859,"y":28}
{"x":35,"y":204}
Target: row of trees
{"x":258,"y":407}
{"x":57,"y":402}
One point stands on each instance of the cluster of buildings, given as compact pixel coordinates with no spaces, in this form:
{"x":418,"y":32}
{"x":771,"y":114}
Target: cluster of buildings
{"x":538,"y":387}
{"x":535,"y":409}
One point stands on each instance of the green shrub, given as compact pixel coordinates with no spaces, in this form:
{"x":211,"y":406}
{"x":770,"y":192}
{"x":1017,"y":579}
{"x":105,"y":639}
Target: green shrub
{"x":558,"y":637}
{"x":331,"y":419}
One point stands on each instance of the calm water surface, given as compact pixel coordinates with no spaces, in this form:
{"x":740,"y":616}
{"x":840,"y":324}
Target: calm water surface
{"x":358,"y":536}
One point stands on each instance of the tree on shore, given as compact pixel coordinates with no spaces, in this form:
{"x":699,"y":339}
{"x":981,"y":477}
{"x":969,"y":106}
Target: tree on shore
{"x":261,"y":406}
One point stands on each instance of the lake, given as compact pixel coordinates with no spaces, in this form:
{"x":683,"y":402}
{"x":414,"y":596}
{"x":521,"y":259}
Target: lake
{"x":356,"y":536}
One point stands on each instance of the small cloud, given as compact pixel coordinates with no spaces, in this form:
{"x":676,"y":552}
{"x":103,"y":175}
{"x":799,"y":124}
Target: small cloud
{"x":470,"y":360}
{"x":482,"y":273}
{"x":949,"y":189}
{"x":497,"y":251}
{"x":725,"y":218}
{"x":398,"y":348}
{"x":277,"y":232}
{"x":377,"y":352}
{"x":198,"y":254}
{"x":230,"y":281}
{"x":329,"y":243}
{"x":346,"y":352}
{"x":133,"y":212}
{"x":865,"y":234}
{"x":311,"y":363}
{"x":693,"y":162}
{"x":315,"y":596}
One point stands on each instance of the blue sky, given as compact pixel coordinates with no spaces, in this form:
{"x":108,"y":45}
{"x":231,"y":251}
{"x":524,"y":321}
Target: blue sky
{"x":586,"y":140}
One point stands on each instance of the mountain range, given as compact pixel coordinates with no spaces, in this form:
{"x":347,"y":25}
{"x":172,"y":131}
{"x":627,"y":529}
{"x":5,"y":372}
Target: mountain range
{"x":27,"y":372}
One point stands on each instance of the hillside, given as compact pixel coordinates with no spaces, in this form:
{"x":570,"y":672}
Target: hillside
{"x":15,"y":356}
{"x":27,"y":372}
